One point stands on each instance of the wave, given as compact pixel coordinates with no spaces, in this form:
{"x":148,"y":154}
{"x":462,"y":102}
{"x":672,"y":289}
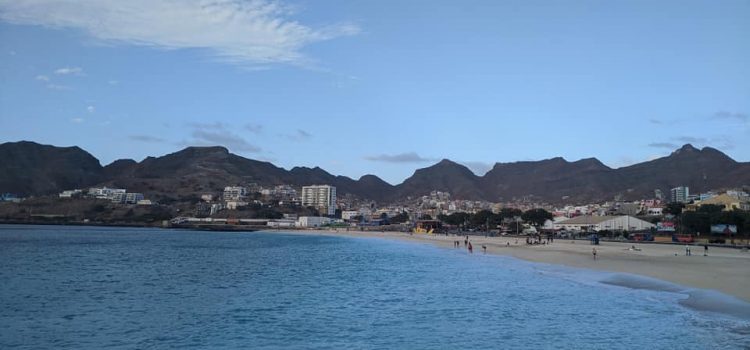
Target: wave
{"x":696,"y":299}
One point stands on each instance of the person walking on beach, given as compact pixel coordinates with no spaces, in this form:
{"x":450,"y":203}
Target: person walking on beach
{"x":484,"y":248}
{"x":687,"y":250}
{"x":593,"y":251}
{"x":471,"y":249}
{"x":705,"y":250}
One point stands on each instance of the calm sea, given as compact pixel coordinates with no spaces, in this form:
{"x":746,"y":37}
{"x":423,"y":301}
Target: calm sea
{"x":94,"y":288}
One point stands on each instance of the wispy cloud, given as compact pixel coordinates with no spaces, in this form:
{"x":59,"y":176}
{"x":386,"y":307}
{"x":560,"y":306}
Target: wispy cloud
{"x":146,"y":138}
{"x":691,"y":139}
{"x":256,"y":32}
{"x":409,"y":157}
{"x":91,"y":109}
{"x":298,"y":135}
{"x":656,"y":121}
{"x":720,"y":142}
{"x":218,"y":134}
{"x":42,"y":78}
{"x":667,"y":145}
{"x":58,"y":87}
{"x":254,"y":128}
{"x":735,"y":116}
{"x":69,"y":71}
{"x":77,"y":120}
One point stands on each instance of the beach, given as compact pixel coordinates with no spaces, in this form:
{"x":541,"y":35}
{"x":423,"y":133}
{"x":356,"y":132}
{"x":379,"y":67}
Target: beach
{"x":726,"y":270}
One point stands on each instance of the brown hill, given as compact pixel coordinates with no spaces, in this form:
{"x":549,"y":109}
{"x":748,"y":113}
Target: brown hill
{"x":28,"y":168}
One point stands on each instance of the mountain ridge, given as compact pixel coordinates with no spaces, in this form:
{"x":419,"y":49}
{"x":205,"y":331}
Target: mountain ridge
{"x":30,"y":168}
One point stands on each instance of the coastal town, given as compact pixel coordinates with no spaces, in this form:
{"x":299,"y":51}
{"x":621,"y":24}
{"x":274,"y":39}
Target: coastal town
{"x":679,"y":215}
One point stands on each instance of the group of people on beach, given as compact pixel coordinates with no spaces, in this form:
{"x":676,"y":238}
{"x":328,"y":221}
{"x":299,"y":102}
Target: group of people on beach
{"x":467,"y":244}
{"x":537,"y":239}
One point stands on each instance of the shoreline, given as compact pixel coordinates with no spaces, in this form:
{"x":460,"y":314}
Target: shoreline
{"x":726,"y":270}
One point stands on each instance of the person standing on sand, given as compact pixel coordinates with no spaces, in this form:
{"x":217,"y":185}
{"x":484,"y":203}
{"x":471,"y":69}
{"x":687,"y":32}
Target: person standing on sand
{"x":687,"y":250}
{"x":705,"y":250}
{"x":593,"y":251}
{"x":471,"y":249}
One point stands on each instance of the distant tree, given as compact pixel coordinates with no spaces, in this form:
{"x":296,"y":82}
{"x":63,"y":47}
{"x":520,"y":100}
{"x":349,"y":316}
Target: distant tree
{"x":509,"y":213}
{"x":400,"y":218}
{"x":383,"y":216}
{"x":455,"y":219}
{"x":426,"y":217}
{"x":710,"y":208}
{"x":485,"y":219}
{"x":674,"y":208}
{"x":536,"y":217}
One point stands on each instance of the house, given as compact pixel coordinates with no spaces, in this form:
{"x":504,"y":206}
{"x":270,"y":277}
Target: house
{"x":312,"y":221}
{"x":728,"y":201}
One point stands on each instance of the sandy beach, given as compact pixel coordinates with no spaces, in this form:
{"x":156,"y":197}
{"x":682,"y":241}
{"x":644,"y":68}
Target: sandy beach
{"x":726,"y":270}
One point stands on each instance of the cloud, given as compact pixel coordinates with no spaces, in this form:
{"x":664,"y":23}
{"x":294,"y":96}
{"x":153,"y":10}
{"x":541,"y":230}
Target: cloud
{"x":254,"y":128}
{"x":479,"y":168}
{"x":212,"y":126}
{"x":298,"y":135}
{"x":58,"y":87}
{"x":77,"y":120}
{"x":91,"y":109}
{"x":213,"y":134}
{"x":690,"y":139}
{"x":656,"y":121}
{"x":146,"y":138}
{"x":741,"y":117}
{"x":42,"y":78}
{"x":409,"y":157}
{"x":720,"y":142}
{"x":667,"y":145}
{"x":113,"y":82}
{"x":256,"y":32}
{"x":69,"y":71}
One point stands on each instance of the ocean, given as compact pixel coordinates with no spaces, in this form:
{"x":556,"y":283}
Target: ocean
{"x":138,"y":288}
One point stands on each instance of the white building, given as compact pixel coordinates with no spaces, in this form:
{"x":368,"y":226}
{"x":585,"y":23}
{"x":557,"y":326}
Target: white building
{"x":105,"y":193}
{"x":282,"y":223}
{"x":312,"y":221}
{"x":233,"y":205}
{"x":235,"y":193}
{"x":601,"y":223}
{"x":679,"y":194}
{"x":322,"y":197}
{"x":349,"y":214}
{"x":70,"y":193}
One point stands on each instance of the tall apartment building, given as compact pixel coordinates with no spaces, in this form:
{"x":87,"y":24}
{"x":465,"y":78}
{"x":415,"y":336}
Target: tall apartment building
{"x":680,"y":194}
{"x":322,"y":197}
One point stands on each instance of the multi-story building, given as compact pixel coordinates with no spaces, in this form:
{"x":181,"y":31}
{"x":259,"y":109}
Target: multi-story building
{"x":235,"y":193}
{"x":106,"y":193}
{"x":322,"y":197}
{"x":680,"y":194}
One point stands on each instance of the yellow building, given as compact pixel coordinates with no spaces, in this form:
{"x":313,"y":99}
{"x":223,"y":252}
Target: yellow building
{"x":729,"y":202}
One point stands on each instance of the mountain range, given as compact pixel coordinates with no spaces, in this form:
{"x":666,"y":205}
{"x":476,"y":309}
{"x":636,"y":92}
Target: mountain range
{"x":29,"y":168}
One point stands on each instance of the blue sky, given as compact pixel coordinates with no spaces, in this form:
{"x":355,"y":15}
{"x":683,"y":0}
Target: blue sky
{"x":381,"y":87}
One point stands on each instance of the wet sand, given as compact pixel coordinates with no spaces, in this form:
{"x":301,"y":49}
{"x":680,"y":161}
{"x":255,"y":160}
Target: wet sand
{"x":724,"y":269}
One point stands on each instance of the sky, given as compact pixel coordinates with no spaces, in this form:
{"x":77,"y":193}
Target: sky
{"x":378,"y":87}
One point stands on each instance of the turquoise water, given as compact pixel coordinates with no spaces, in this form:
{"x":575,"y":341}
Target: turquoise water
{"x":90,"y":288}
